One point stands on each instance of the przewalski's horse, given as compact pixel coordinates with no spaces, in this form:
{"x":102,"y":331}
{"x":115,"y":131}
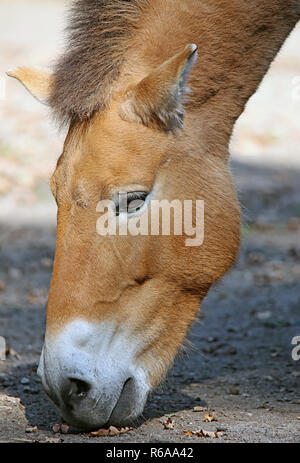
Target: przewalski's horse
{"x":120,"y":306}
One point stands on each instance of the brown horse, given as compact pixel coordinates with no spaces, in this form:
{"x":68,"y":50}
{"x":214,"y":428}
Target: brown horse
{"x":148,"y":121}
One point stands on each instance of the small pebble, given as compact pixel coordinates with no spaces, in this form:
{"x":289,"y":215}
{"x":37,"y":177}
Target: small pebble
{"x":25,"y":381}
{"x":212,"y":339}
{"x":264,"y":315}
{"x":198,"y":409}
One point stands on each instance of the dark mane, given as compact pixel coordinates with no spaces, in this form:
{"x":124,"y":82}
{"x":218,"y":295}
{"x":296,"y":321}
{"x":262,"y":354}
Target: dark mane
{"x":98,"y":35}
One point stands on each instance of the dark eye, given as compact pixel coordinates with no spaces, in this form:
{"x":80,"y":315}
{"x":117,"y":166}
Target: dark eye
{"x":130,"y":203}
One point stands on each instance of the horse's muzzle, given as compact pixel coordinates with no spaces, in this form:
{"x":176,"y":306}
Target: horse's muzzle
{"x":90,"y":374}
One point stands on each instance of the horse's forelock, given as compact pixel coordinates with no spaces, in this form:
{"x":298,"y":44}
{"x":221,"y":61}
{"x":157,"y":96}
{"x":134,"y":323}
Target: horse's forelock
{"x":98,"y":34}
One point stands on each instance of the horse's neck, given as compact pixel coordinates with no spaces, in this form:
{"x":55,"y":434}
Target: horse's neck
{"x":237,"y":41}
{"x":235,"y":61}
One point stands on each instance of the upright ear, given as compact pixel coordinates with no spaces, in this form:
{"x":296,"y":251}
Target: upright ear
{"x":157,"y":101}
{"x":36,"y":81}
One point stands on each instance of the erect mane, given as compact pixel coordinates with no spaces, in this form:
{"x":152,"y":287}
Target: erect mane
{"x":98,"y":36}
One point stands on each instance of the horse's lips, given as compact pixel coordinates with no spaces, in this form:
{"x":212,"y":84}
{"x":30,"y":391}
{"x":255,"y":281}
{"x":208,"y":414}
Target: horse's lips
{"x":118,"y":388}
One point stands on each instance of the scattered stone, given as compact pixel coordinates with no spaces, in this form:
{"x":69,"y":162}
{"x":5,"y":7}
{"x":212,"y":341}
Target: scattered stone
{"x":212,"y":339}
{"x":198,"y":409}
{"x":25,"y":381}
{"x":12,"y":413}
{"x":264,"y":315}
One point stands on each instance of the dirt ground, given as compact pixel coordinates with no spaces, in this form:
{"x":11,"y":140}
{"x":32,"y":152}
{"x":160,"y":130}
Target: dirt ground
{"x":237,"y":366}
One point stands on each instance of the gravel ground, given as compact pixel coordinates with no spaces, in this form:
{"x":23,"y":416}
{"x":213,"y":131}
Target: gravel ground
{"x":237,"y":369}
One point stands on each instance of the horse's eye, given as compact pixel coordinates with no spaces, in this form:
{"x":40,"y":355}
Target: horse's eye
{"x":130,"y":203}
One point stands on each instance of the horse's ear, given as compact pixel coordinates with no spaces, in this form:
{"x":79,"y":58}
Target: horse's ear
{"x":36,"y":81}
{"x":157,"y":101}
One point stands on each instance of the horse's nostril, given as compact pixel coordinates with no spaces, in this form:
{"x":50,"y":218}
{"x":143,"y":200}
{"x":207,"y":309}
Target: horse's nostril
{"x":78,"y":387}
{"x":74,"y":389}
